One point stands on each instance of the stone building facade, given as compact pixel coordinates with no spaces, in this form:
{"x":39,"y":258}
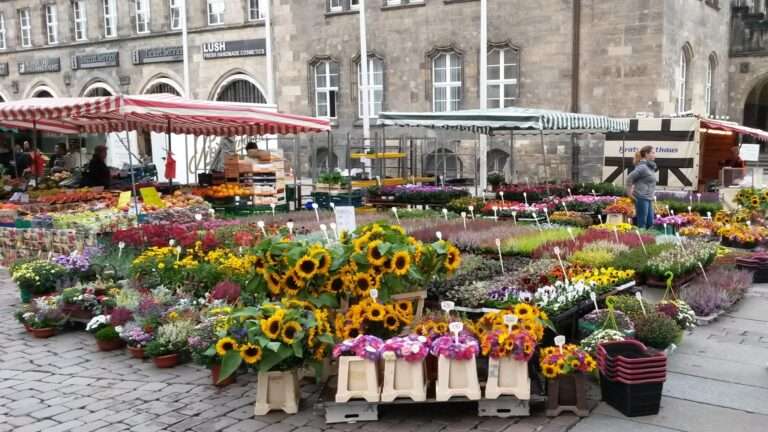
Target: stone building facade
{"x":617,"y":57}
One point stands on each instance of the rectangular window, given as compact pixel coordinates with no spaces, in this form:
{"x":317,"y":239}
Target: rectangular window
{"x":215,"y":12}
{"x":336,"y":5}
{"x":25,"y":28}
{"x":326,"y":88}
{"x":255,"y":11}
{"x":176,"y":14}
{"x":375,"y":87}
{"x":142,"y":16}
{"x":503,"y":73}
{"x":81,"y":20}
{"x":110,"y":18}
{"x":446,"y":83}
{"x":51,"y":24}
{"x":354,"y":4}
{"x":2,"y":32}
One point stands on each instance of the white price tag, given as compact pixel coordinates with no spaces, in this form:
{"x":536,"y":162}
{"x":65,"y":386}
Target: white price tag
{"x":439,"y":235}
{"x":510,"y":319}
{"x":171,"y":242}
{"x":374,"y":293}
{"x":456,"y":327}
{"x":447,"y":306}
{"x":560,"y":341}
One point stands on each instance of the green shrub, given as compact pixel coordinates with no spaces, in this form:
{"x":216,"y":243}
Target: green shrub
{"x":526,"y":244}
{"x":462,"y":205}
{"x":636,"y":259}
{"x":598,"y":254}
{"x":156,"y":349}
{"x":107,"y":333}
{"x":630,"y":306}
{"x":657,"y":330}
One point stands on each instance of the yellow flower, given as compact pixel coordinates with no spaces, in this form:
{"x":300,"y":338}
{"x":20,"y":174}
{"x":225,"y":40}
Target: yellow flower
{"x":335,"y":284}
{"x":259,"y":263}
{"x":290,"y":331}
{"x":362,"y":283}
{"x":323,"y":262}
{"x":351,"y":331}
{"x":523,"y":310}
{"x":271,"y":327}
{"x":549,"y":371}
{"x":376,"y":312}
{"x":400,"y":263}
{"x":391,"y":322}
{"x":274,"y":281}
{"x":453,"y":259}
{"x":375,"y":257}
{"x":224,"y":345}
{"x":161,"y":266}
{"x":404,"y":308}
{"x":320,"y":353}
{"x":306,"y":267}
{"x":293,"y":284}
{"x":250,"y":353}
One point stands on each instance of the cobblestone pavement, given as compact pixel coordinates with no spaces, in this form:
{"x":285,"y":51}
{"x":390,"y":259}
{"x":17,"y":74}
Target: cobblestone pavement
{"x":65,"y":383}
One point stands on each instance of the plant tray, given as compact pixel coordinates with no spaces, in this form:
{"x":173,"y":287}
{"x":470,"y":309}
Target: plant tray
{"x":618,"y":369}
{"x":632,"y":400}
{"x":629,"y":352}
{"x":653,"y":281}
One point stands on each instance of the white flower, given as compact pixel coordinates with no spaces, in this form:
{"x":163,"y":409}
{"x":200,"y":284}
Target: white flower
{"x":96,"y":322}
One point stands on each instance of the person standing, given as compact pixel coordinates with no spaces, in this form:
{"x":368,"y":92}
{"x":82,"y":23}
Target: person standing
{"x":98,"y":172}
{"x":642,"y":186}
{"x":56,"y":161}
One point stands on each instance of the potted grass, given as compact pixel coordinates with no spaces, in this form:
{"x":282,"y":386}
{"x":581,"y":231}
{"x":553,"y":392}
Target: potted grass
{"x":565,"y":369}
{"x":170,"y":344}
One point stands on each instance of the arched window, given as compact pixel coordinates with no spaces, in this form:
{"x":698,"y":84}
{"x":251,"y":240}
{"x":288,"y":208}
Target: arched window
{"x":443,"y":162}
{"x":98,"y":89}
{"x":241,"y":90}
{"x":709,"y":100}
{"x":446,"y":82}
{"x":42,"y":94}
{"x":503,"y":76}
{"x":161,"y":87}
{"x":497,"y":161}
{"x":684,"y":95}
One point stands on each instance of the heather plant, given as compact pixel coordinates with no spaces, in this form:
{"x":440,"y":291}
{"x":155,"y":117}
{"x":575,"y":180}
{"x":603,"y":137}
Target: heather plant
{"x":457,"y":289}
{"x":527,"y":243}
{"x":569,"y":246}
{"x":636,"y":259}
{"x":657,"y":330}
{"x":725,"y":287}
{"x":630,"y":306}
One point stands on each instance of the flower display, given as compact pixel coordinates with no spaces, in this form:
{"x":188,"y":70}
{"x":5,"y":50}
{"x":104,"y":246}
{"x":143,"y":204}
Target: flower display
{"x":465,"y":348}
{"x":365,"y":346}
{"x":742,"y":234}
{"x":373,"y":318}
{"x":530,"y":319}
{"x":603,"y":279}
{"x":518,"y":344}
{"x":43,"y":312}
{"x":569,"y":359}
{"x":37,"y":277}
{"x":411,"y":348}
{"x":436,"y":326}
{"x":623,"y":206}
{"x":134,"y":335}
{"x":417,"y":194}
{"x":679,"y":311}
{"x":683,"y":260}
{"x":561,"y":296}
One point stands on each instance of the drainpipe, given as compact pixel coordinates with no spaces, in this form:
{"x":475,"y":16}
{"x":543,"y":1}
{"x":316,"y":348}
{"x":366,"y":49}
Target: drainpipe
{"x":576,"y":56}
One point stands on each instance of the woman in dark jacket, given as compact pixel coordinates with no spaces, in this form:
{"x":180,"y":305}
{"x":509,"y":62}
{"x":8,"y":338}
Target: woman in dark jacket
{"x":98,"y":172}
{"x":642,"y":186}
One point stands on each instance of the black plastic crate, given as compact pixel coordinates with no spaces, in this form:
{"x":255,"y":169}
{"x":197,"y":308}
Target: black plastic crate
{"x":632,"y":400}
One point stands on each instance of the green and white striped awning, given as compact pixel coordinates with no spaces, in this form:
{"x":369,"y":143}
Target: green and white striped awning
{"x":507,"y":119}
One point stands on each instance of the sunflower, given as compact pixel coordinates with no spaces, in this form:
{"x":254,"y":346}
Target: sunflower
{"x":323,"y":262}
{"x":523,"y":310}
{"x":250,"y":353}
{"x":375,"y":257}
{"x":306,"y":267}
{"x":453,"y":259}
{"x":225,"y":345}
{"x":362,"y":283}
{"x":273,"y":282}
{"x":290,"y":331}
{"x":376,"y":312}
{"x":441,"y":328}
{"x":336,"y":284}
{"x":320,"y":353}
{"x":351,"y":331}
{"x":755,"y":201}
{"x":259,"y":263}
{"x":271,"y":327}
{"x":359,"y":243}
{"x":391,"y":322}
{"x":404,"y":308}
{"x":400,"y":263}
{"x":549,"y":371}
{"x":575,"y":363}
{"x":293,"y":284}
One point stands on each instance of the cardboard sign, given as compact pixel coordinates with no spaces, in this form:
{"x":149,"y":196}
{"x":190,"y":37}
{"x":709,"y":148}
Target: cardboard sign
{"x":749,"y":152}
{"x":151,"y":197}
{"x":345,"y":218}
{"x":124,"y":199}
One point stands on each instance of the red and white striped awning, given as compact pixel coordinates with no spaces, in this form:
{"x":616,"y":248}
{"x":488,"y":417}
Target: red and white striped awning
{"x":157,"y":113}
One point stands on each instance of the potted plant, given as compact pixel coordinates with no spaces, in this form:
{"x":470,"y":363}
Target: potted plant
{"x":42,"y":318}
{"x":35,"y":278}
{"x":79,"y":303}
{"x":495,"y":180}
{"x":657,"y":330}
{"x":565,"y":369}
{"x":456,"y":367}
{"x":204,"y":337}
{"x":107,"y":336}
{"x":508,"y":351}
{"x":136,"y":338}
{"x":404,"y":368}
{"x":170,"y":343}
{"x":358,"y":368}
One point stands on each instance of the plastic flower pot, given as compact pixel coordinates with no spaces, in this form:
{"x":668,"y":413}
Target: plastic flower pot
{"x":636,"y":399}
{"x":166,"y":361}
{"x":137,"y":352}
{"x":457,"y":378}
{"x":26,"y":295}
{"x":215,"y":370}
{"x":358,"y":379}
{"x":42,"y":333}
{"x":403,"y":379}
{"x":110,"y":345}
{"x":567,"y":393}
{"x":507,"y":376}
{"x":277,"y":390}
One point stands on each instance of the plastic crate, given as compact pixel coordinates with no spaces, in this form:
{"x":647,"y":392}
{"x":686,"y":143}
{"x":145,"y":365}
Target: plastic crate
{"x":632,"y":400}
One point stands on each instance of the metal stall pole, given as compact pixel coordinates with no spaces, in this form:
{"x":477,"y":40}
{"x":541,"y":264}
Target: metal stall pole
{"x":296,"y":173}
{"x":623,"y":168}
{"x":313,"y":156}
{"x":168,"y":154}
{"x":34,"y":149}
{"x":13,"y":153}
{"x":546,"y":165}
{"x":511,"y":155}
{"x":130,"y":164}
{"x":474,"y":165}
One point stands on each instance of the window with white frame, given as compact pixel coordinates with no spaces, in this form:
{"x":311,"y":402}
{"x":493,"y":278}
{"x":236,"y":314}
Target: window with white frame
{"x":25,"y":28}
{"x":326,"y":80}
{"x":175,"y":6}
{"x":255,"y":11}
{"x":335,"y":5}
{"x":142,"y":16}
{"x":709,"y":101}
{"x":354,"y":4}
{"x":375,"y":87}
{"x":3,"y":45}
{"x":683,"y":91}
{"x":402,"y":2}
{"x":51,"y":24}
{"x":503,"y":76}
{"x":110,"y":18}
{"x":215,"y":12}
{"x":81,"y":20}
{"x":446,"y":82}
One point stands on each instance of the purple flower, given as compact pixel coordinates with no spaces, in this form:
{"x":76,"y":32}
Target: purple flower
{"x":365,"y":346}
{"x":446,"y":346}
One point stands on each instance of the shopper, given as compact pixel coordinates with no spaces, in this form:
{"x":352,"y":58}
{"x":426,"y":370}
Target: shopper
{"x":57,"y":160}
{"x":98,"y":172}
{"x":642,"y":186}
{"x":22,"y":160}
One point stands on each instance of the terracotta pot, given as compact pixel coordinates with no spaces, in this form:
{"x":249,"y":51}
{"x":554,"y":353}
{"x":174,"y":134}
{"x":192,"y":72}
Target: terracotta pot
{"x":136,"y":352}
{"x":42,"y":333}
{"x":76,"y":312}
{"x":215,"y":370}
{"x":110,"y":345}
{"x":166,"y":361}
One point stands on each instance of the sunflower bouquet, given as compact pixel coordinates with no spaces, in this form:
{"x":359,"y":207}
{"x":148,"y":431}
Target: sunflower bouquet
{"x":529,"y":319}
{"x":274,"y":336}
{"x":372,"y":318}
{"x":555,"y":362}
{"x":433,"y":327}
{"x":751,"y":198}
{"x":518,"y":344}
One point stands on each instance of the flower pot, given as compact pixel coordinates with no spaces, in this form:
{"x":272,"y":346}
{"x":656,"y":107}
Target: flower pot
{"x":26,"y":295}
{"x":277,"y":391}
{"x":457,"y":378}
{"x":76,"y":312}
{"x":567,"y":393}
{"x":166,"y":361}
{"x":42,"y":333}
{"x":507,"y":377}
{"x":215,"y":370}
{"x":110,"y":345}
{"x":137,"y":352}
{"x":358,"y":379}
{"x":403,"y":379}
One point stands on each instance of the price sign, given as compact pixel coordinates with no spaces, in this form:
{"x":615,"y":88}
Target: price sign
{"x":447,"y":306}
{"x":510,"y":320}
{"x":456,"y":327}
{"x":345,"y":218}
{"x":124,"y":200}
{"x":639,"y":298}
{"x":151,"y":197}
{"x":560,"y":341}
{"x":198,"y":217}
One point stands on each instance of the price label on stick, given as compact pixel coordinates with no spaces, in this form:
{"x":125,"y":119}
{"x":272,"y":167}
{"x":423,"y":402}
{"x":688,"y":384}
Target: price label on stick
{"x":639,"y":298}
{"x":456,"y":327}
{"x":560,"y":341}
{"x":447,"y":306}
{"x":374,"y":293}
{"x":593,"y":297}
{"x":510,"y":320}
